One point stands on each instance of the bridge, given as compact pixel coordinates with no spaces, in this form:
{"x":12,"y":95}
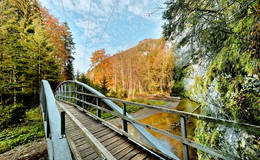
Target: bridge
{"x":72,"y":132}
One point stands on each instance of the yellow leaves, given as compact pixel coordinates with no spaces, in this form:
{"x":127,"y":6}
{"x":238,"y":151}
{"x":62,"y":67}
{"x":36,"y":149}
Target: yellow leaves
{"x":146,"y":67}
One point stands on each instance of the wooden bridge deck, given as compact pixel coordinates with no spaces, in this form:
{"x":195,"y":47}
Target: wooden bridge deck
{"x":119,"y":146}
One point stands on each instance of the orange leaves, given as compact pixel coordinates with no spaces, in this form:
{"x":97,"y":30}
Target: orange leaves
{"x":101,"y":64}
{"x":98,"y":56}
{"x":55,"y":32}
{"x":146,"y":67}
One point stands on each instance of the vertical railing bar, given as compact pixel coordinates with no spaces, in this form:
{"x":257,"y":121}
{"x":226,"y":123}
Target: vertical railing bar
{"x":69,"y":85}
{"x":75,"y":93}
{"x":124,"y":122}
{"x":184,"y":135}
{"x":98,"y":110}
{"x":82,"y":97}
{"x":62,"y":120}
{"x":65,"y":91}
{"x":59,"y":92}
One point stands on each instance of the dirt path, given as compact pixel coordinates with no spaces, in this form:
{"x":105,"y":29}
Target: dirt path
{"x":143,"y":113}
{"x":33,"y":151}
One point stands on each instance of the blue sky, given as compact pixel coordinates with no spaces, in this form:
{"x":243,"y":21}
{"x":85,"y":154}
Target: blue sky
{"x":111,"y":24}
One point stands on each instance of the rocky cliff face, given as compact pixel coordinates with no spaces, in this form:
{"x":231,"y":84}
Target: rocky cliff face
{"x":228,"y":87}
{"x":220,"y":95}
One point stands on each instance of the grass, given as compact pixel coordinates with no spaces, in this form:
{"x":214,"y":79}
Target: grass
{"x":28,"y":131}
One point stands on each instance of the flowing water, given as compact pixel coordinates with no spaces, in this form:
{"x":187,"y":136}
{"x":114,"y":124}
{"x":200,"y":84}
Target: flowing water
{"x":169,"y":122}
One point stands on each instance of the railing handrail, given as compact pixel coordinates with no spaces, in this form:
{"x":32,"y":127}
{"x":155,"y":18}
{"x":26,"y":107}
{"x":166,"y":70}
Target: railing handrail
{"x":230,"y":123}
{"x":143,"y":132}
{"x":58,"y":148}
{"x":186,"y":141}
{"x":182,"y":114}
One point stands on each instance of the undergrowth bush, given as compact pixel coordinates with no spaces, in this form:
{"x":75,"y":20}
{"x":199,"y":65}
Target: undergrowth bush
{"x":11,"y":114}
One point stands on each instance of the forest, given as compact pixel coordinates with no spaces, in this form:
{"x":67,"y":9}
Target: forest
{"x":146,"y":68}
{"x":209,"y":53}
{"x":34,"y":45}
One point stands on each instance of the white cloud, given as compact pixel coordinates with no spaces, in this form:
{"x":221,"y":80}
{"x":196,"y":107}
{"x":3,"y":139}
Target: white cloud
{"x":94,"y":29}
{"x":139,"y":8}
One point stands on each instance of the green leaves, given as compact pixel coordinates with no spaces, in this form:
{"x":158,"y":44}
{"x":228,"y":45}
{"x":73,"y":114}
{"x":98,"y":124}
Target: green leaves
{"x":211,"y":22}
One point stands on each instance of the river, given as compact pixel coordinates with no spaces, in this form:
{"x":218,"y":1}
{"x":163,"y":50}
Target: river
{"x":168,"y":122}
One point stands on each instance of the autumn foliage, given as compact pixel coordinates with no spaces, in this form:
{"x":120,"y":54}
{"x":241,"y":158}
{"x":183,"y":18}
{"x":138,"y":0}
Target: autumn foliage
{"x":145,"y":68}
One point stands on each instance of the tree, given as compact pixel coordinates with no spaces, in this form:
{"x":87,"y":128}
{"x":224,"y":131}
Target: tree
{"x":98,"y":56}
{"x":104,"y":89}
{"x":70,"y":47}
{"x":207,"y":24}
{"x":146,"y":67}
{"x":32,"y":49}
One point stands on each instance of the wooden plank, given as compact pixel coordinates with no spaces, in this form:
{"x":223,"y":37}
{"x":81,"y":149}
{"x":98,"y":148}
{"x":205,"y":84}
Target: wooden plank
{"x":98,"y":146}
{"x":74,"y":150}
{"x":83,"y":147}
{"x":107,"y":136}
{"x":91,"y":156}
{"x":84,"y":153}
{"x":93,"y":131}
{"x":102,"y":133}
{"x":124,"y":152}
{"x":109,"y":142}
{"x":131,"y":154}
{"x":139,"y":156}
{"x":81,"y":143}
{"x":120,"y":148}
{"x":80,"y":140}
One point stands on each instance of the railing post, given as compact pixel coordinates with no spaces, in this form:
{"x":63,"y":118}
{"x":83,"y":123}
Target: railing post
{"x":98,"y":110}
{"x":62,"y":120}
{"x":124,"y":125}
{"x":75,"y":93}
{"x":81,"y":97}
{"x":184,"y":135}
{"x":65,"y":92}
{"x":84,"y":97}
{"x":59,"y":93}
{"x":69,"y":87}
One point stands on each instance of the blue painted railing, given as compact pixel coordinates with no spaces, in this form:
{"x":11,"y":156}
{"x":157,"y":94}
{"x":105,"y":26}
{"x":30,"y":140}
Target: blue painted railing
{"x":57,"y":145}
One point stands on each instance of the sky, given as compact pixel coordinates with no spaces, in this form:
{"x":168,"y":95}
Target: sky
{"x":114,"y":25}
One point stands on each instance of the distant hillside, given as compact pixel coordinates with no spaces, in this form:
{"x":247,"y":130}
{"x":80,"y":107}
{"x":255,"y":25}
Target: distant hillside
{"x":144,"y":68}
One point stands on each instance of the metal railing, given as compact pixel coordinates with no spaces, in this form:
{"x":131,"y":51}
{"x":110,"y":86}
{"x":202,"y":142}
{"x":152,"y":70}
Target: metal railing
{"x":54,"y":125}
{"x":80,"y":98}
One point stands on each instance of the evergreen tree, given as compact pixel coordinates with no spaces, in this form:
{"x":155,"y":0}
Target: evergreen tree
{"x":70,"y":47}
{"x":27,"y":53}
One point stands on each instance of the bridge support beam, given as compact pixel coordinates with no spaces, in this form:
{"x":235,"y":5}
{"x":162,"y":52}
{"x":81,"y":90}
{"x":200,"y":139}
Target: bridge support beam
{"x":184,"y":135}
{"x":124,"y":122}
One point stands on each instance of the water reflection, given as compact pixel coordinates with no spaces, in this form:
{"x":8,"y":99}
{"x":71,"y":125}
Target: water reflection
{"x":169,"y":122}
